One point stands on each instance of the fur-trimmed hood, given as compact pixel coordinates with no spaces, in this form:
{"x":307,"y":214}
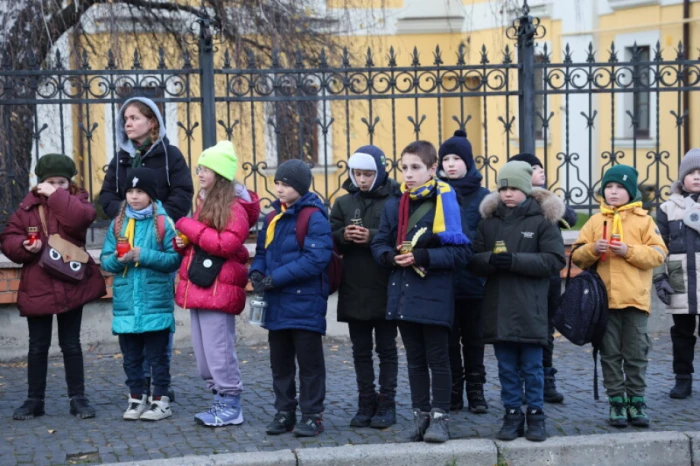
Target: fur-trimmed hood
{"x":546,"y":202}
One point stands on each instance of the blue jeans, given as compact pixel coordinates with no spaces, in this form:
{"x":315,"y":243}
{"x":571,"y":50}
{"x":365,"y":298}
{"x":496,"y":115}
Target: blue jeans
{"x":154,"y":345}
{"x":514,"y":360}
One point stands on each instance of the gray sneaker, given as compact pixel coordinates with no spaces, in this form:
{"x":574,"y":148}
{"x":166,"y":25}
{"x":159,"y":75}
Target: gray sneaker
{"x":438,"y":431}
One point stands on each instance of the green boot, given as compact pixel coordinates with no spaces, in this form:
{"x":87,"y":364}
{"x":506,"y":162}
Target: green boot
{"x":635,"y":411}
{"x":618,"y":411}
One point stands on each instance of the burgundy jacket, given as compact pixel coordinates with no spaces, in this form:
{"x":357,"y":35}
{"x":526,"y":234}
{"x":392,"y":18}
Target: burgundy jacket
{"x":69,"y":216}
{"x":227,"y":294}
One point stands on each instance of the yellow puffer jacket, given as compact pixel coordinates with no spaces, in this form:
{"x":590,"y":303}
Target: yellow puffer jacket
{"x":628,"y":279}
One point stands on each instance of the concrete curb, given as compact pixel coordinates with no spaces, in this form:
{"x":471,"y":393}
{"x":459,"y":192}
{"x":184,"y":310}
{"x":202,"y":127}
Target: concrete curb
{"x":624,"y":449}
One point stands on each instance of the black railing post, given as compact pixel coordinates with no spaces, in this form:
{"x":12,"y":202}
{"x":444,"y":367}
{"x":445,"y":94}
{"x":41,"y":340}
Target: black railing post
{"x":206,"y":66}
{"x":527,"y":27}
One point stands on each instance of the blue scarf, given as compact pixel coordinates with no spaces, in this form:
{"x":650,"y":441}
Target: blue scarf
{"x":139,"y":214}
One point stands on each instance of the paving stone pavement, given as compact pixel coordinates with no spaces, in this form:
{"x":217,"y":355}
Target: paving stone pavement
{"x":57,"y":438}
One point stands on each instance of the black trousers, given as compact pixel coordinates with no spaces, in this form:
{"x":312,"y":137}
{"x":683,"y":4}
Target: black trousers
{"x":379,"y":335}
{"x":466,"y":348}
{"x":428,"y":364}
{"x":69,"y":341}
{"x":683,"y":339}
{"x":154,"y":345}
{"x":553,"y":300}
{"x":307,"y":348}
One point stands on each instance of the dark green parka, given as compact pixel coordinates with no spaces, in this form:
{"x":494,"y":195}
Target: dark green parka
{"x":514,"y":308}
{"x":363,"y":291}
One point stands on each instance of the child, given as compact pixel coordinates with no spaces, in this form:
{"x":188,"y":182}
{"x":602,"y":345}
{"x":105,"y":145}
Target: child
{"x":143,"y":293}
{"x":218,"y":228}
{"x":67,"y":212}
{"x":459,"y":171}
{"x":362,"y":295}
{"x":421,"y":285}
{"x":631,"y":256}
{"x":676,"y":282}
{"x":551,"y":395}
{"x":518,"y":247}
{"x":295,"y":283}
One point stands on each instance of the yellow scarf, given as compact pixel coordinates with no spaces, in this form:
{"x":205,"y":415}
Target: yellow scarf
{"x":617,"y":220}
{"x":270,"y":234}
{"x":130,"y":233}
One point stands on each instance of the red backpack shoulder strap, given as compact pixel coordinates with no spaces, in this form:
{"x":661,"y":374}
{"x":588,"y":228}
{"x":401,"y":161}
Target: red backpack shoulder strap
{"x":303,"y":223}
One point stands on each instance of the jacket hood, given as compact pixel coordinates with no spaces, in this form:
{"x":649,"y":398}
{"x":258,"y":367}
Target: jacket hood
{"x":126,"y":144}
{"x":547,"y":203}
{"x":309,"y":199}
{"x":387,"y":188}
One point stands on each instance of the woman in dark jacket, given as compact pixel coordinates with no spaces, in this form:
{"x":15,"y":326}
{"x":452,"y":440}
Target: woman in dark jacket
{"x":362,"y":294}
{"x":459,"y":171}
{"x":68,"y":213}
{"x":421,"y":285}
{"x":143,"y":143}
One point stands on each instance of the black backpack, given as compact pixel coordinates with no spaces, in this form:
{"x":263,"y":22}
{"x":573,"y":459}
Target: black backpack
{"x":582,"y":315}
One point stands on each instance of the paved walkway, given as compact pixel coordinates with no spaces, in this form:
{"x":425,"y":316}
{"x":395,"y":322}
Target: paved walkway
{"x":58,"y":438}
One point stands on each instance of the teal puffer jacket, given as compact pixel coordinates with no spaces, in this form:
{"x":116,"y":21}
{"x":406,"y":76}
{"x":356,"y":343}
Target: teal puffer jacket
{"x":144,"y":295}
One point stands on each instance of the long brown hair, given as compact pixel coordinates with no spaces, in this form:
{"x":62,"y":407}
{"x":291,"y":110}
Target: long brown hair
{"x":146,"y":111}
{"x":216,"y":209}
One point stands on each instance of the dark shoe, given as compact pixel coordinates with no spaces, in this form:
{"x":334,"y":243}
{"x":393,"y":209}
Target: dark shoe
{"x":635,"y":411}
{"x":475,"y":398}
{"x":284,"y":421}
{"x":513,"y":425}
{"x":31,"y":408}
{"x":80,"y":407}
{"x":438,"y":431}
{"x":683,"y":388}
{"x":310,"y":426}
{"x":456,"y":397}
{"x":535,"y":426}
{"x":421,"y":421}
{"x":171,"y":394}
{"x":551,"y":395}
{"x":366,"y":408}
{"x":386,"y":412}
{"x":618,"y":411}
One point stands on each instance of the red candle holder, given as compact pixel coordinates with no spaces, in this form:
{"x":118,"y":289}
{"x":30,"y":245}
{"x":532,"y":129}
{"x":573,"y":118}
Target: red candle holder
{"x":32,"y":235}
{"x":123,"y":246}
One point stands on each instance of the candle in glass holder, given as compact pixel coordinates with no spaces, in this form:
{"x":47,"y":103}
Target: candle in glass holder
{"x":356,"y":222}
{"x":32,"y":235}
{"x":615,"y":238}
{"x":123,"y":246}
{"x":500,"y":247}
{"x":406,"y":247}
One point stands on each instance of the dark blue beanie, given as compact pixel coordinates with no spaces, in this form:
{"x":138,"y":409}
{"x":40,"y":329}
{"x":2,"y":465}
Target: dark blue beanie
{"x":369,"y":158}
{"x":458,"y":145}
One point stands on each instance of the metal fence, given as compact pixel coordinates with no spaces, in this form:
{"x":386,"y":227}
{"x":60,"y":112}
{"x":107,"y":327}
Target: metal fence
{"x":293,"y":108}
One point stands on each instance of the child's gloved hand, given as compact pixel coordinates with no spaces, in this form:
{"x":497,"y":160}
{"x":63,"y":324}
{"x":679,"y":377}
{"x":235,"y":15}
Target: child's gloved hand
{"x":501,"y":261}
{"x":664,"y":290}
{"x":429,"y":241}
{"x":256,"y":279}
{"x":128,"y":257}
{"x":421,"y":257}
{"x":137,"y":254}
{"x":267,"y":284}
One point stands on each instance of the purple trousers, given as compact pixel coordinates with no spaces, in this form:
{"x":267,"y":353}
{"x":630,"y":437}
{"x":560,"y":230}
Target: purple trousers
{"x":214,"y":345}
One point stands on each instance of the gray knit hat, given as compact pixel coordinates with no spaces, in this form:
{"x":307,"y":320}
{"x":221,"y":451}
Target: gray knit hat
{"x":296,"y":174}
{"x":690,"y":162}
{"x":516,"y":175}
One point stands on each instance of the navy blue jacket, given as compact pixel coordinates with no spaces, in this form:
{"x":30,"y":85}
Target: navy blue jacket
{"x":428,"y":300}
{"x":299,"y":297}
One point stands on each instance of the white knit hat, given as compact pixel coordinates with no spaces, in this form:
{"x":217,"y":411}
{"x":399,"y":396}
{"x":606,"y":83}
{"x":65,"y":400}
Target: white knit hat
{"x":690,"y":162}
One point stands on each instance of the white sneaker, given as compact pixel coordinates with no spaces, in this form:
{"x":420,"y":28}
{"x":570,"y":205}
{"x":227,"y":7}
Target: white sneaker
{"x":135,"y":409}
{"x":159,"y":409}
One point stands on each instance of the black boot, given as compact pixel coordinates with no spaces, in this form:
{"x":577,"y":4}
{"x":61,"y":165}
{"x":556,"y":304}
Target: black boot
{"x":420,"y":423}
{"x":366,"y":408}
{"x":475,"y":394}
{"x":31,"y":408}
{"x":535,"y":426}
{"x":683,"y":388}
{"x":551,"y":395}
{"x":80,"y":407}
{"x":456,"y":397}
{"x":386,"y":412}
{"x":513,"y":425}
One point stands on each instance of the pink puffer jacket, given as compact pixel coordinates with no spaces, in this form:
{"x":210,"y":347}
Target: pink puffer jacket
{"x":227,"y":294}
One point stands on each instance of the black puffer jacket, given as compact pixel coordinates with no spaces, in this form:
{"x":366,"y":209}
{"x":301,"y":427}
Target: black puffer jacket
{"x":363,"y":291}
{"x":514,"y":308}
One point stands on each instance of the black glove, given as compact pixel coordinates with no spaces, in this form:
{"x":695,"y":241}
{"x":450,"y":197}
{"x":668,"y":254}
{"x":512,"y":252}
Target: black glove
{"x":501,"y":261}
{"x":664,"y":290}
{"x":256,"y":279}
{"x":429,"y":241}
{"x":267,"y":284}
{"x":421,"y":257}
{"x":389,"y":258}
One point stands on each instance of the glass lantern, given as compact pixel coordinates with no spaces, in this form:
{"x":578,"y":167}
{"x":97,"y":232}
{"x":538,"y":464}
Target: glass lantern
{"x":258,"y":307}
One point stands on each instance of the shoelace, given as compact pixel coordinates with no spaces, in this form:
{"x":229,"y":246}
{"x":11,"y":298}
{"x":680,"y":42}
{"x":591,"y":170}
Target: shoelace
{"x":618,"y":408}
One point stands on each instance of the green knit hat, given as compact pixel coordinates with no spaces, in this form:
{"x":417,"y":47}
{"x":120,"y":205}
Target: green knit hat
{"x":516,"y":175}
{"x":55,"y":165}
{"x":221,"y":159}
{"x":623,"y":174}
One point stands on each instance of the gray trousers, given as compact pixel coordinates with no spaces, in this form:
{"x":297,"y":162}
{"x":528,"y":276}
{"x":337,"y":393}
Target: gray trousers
{"x":623,"y":353}
{"x":213,"y":342}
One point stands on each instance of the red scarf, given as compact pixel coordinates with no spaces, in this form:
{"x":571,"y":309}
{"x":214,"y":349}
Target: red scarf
{"x":403,"y":218}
